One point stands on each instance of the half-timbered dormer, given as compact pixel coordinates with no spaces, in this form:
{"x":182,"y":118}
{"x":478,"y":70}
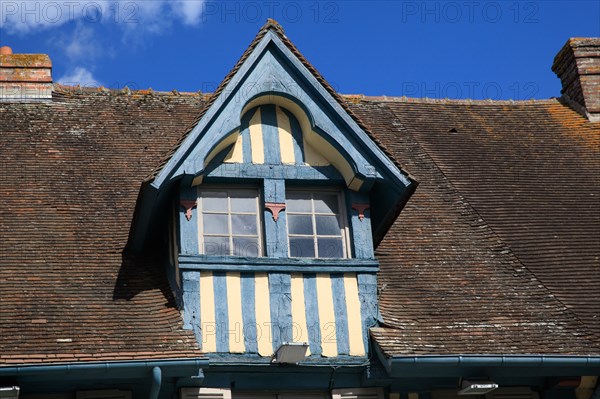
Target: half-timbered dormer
{"x":278,"y":195}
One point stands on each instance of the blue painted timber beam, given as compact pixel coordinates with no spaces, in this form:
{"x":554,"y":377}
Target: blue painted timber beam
{"x":264,"y":264}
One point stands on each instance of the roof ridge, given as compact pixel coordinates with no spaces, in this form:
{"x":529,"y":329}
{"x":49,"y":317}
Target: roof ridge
{"x":427,"y":100}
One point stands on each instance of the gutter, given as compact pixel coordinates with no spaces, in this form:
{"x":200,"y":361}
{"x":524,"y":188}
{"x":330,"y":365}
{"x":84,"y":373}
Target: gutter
{"x":401,"y":366}
{"x":136,"y":369}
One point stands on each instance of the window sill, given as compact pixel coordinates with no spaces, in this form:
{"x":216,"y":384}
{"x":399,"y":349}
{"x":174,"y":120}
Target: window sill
{"x":263,"y":264}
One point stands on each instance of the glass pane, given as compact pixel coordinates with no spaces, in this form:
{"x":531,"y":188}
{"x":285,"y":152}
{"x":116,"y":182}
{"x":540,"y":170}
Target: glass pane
{"x":328,"y":225}
{"x":298,"y":202}
{"x":243,"y":201}
{"x":215,"y":223}
{"x":300,"y":224}
{"x":214,"y":201}
{"x":326,"y":203}
{"x":216,"y":245}
{"x":330,"y":248}
{"x":243,"y":224}
{"x":244,"y":246}
{"x":301,"y":247}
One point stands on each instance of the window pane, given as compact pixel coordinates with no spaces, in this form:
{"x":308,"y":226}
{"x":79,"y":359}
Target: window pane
{"x":300,"y":224}
{"x":214,"y":201}
{"x":243,"y":201}
{"x":298,"y":202}
{"x":326,"y":203}
{"x":301,"y":247}
{"x":244,"y":246}
{"x":243,"y":224}
{"x":216,"y":245}
{"x":328,"y":225}
{"x":215,"y":223}
{"x":330,"y":248}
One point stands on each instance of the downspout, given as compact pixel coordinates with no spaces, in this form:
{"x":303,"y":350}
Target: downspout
{"x":156,"y":382}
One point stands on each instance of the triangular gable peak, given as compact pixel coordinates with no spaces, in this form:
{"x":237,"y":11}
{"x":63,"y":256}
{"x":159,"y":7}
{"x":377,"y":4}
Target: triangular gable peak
{"x":272,"y":80}
{"x":273,"y":75}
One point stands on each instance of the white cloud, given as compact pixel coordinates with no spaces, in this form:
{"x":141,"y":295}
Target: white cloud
{"x":25,"y":16}
{"x":189,"y":11}
{"x":79,"y":76}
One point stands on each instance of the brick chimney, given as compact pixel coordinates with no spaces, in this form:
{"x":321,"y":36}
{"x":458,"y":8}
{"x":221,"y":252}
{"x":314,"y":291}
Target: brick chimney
{"x":577,"y":65}
{"x":24,"y":77}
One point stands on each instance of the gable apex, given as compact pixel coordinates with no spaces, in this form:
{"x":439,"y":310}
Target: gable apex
{"x":271,"y":66}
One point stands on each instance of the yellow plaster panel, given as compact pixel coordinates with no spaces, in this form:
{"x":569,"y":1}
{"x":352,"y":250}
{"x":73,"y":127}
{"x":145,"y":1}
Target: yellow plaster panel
{"x":226,"y":142}
{"x":263,"y":314}
{"x":234,"y":307}
{"x":312,"y":157}
{"x":236,"y":155}
{"x":286,"y":142}
{"x":256,"y":138}
{"x":355,"y":332}
{"x":300,"y":328}
{"x":326,"y":316}
{"x":329,"y":152}
{"x":207,"y":313}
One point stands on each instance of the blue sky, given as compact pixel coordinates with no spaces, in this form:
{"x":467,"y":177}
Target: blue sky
{"x":455,"y":49}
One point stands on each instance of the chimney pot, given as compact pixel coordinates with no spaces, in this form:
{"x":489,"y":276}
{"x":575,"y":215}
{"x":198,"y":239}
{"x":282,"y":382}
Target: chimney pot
{"x":5,"y":50}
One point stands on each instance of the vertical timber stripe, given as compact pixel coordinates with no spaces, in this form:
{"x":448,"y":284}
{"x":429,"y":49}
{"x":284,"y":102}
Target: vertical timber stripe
{"x":355,"y":325}
{"x":341,"y":315}
{"x":246,"y":312}
{"x":326,"y":315}
{"x":270,"y":133}
{"x":256,"y":138}
{"x":263,"y":314}
{"x":281,"y":307}
{"x":207,"y":313}
{"x":286,"y":141}
{"x":250,"y":330}
{"x":234,"y":303}
{"x":221,"y":311}
{"x":312,"y":313}
{"x":245,"y":134}
{"x":296,"y":131}
{"x":300,"y":328}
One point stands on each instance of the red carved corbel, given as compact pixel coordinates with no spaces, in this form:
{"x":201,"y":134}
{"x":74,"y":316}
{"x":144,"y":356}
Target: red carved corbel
{"x":188,"y":205}
{"x":360,"y":208}
{"x":275,"y":208}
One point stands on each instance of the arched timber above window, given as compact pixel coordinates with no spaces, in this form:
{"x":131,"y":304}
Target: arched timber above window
{"x":275,"y":130}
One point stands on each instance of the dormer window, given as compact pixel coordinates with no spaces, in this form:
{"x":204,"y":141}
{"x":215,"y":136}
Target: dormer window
{"x":229,"y":222}
{"x":316,"y":224}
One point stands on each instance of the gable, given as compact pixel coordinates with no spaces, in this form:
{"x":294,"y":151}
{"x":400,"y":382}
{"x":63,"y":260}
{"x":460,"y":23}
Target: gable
{"x":275,"y":79}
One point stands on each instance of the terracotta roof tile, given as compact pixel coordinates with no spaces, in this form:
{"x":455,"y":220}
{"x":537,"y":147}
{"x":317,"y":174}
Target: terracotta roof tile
{"x":71,"y":172}
{"x":497,"y":250}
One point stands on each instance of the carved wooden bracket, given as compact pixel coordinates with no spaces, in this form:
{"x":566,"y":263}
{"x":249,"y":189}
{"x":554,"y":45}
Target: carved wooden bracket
{"x":188,"y":205}
{"x":360,"y":208}
{"x":275,"y":208}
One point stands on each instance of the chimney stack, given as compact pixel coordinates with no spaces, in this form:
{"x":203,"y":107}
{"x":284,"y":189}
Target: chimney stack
{"x":577,"y":65}
{"x":24,"y":77}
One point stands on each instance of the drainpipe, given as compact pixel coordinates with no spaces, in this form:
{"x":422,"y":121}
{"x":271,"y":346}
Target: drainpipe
{"x":156,"y":382}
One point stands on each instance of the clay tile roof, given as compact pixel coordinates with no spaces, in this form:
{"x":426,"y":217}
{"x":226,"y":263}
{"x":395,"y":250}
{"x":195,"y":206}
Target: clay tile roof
{"x":71,"y":173}
{"x":498,"y":250}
